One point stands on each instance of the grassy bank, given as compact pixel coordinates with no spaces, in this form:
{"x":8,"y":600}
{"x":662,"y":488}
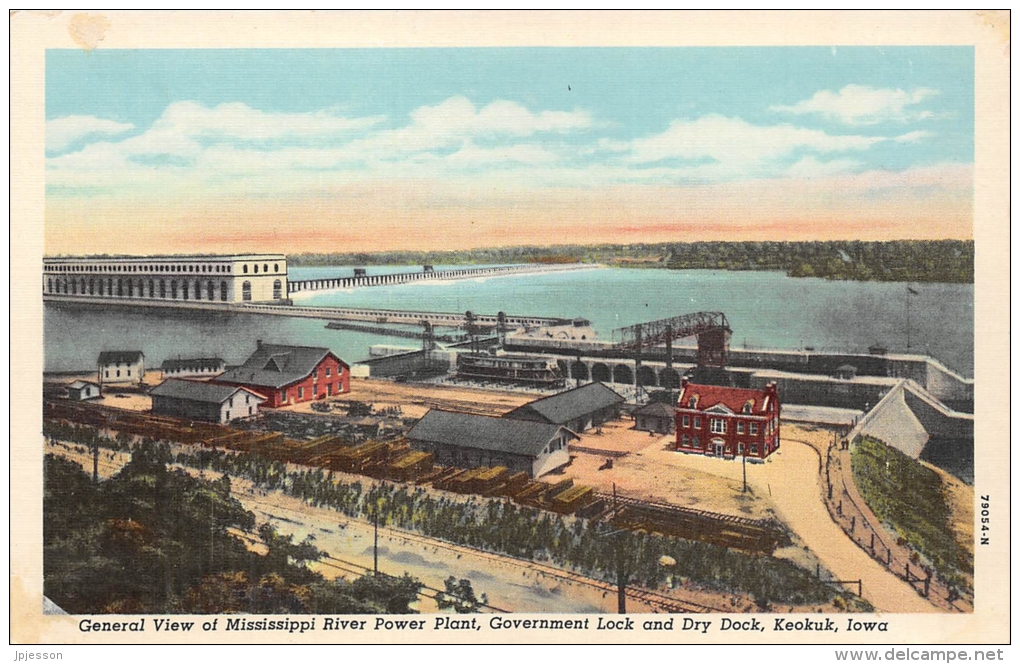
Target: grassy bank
{"x":912,"y":501}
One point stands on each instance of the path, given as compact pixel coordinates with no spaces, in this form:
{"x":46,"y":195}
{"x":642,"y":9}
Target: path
{"x":796,"y":490}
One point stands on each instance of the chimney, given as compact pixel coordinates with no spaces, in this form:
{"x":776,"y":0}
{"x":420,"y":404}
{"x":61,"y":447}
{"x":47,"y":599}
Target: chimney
{"x":258,"y":343}
{"x":683,"y":382}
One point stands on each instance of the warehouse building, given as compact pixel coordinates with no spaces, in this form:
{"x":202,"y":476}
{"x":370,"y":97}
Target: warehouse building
{"x":197,"y":400}
{"x":578,"y":409}
{"x":218,"y":279}
{"x":469,"y":441}
{"x":199,"y":367}
{"x":656,"y":417}
{"x":121,"y":366}
{"x":286,"y":375}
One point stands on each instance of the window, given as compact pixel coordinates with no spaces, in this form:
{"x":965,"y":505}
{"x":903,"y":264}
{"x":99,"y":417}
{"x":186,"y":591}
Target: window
{"x":118,"y":373}
{"x":329,"y":389}
{"x":210,"y":291}
{"x":754,"y":449}
{"x":754,"y":428}
{"x":276,"y":267}
{"x":740,"y":427}
{"x":685,"y":441}
{"x":697,"y":422}
{"x":747,"y":407}
{"x":230,"y":402}
{"x":328,"y":370}
{"x":693,"y":402}
{"x":249,"y":410}
{"x":300,"y":393}
{"x":686,"y":421}
{"x":718,"y":425}
{"x":247,"y":399}
{"x":277,"y":290}
{"x":129,"y":373}
{"x":246,"y":291}
{"x":265,"y":267}
{"x":315,"y":391}
{"x":227,"y":417}
{"x":244,"y":269}
{"x":223,"y":291}
{"x":696,"y":442}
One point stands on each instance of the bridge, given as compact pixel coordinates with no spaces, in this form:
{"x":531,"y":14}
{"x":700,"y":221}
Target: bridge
{"x":361,"y":279}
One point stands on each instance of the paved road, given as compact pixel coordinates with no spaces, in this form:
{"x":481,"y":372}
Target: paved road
{"x":795,"y":484}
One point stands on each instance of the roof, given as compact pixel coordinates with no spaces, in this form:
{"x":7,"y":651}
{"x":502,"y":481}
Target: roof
{"x":194,"y":363}
{"x":521,"y":437}
{"x":570,"y":405}
{"x":120,"y":356}
{"x":732,"y":398}
{"x":78,"y":384}
{"x":656,"y":409}
{"x":275,"y":365}
{"x":191,"y":390}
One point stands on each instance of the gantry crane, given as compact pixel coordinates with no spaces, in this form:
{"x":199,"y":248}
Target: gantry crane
{"x":710,"y":327}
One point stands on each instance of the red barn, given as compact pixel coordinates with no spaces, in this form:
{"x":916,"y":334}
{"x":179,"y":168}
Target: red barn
{"x":727,"y":421}
{"x":290,"y":374}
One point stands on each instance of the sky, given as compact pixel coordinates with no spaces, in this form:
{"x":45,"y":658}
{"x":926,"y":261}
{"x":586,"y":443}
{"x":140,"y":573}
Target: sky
{"x":165,"y":151}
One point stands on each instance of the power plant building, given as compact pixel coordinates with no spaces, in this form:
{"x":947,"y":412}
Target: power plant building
{"x":219,"y":279}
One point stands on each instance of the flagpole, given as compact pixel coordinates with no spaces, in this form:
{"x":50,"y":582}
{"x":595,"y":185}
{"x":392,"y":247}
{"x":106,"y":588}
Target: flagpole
{"x":908,"y":318}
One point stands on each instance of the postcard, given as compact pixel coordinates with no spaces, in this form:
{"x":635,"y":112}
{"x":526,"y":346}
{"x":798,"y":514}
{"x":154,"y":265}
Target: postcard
{"x":512,"y":327}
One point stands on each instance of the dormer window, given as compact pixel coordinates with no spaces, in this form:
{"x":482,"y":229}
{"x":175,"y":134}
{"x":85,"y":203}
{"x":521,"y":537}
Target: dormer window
{"x":692,"y":402}
{"x":748,"y":407}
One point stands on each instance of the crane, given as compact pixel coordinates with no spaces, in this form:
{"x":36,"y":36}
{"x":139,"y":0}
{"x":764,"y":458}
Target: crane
{"x":710,"y":327}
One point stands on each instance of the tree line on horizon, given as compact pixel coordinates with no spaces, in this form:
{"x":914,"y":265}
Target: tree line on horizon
{"x":949,"y":261}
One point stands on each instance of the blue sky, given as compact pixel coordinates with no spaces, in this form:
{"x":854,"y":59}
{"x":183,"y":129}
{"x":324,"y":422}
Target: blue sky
{"x":499,"y":129}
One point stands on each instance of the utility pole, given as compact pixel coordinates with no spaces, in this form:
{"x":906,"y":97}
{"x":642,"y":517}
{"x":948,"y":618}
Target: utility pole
{"x":94,"y":440}
{"x":744,"y":457}
{"x":375,"y":546}
{"x":621,"y":569}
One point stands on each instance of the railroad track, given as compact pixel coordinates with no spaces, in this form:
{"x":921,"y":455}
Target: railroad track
{"x":350,"y":567}
{"x":650,"y":597}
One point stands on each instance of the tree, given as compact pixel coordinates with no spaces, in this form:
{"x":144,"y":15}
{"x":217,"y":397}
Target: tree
{"x":460,"y":596}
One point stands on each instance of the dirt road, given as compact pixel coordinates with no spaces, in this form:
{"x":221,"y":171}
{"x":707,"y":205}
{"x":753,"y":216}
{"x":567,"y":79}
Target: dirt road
{"x":797,"y":496}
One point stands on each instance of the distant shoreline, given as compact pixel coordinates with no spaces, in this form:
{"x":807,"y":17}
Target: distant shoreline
{"x":907,"y":261}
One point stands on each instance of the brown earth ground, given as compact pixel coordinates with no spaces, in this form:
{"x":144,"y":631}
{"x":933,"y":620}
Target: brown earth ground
{"x":787,"y":486}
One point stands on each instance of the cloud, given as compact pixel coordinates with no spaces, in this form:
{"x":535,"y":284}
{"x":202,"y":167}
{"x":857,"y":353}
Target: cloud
{"x":62,"y":132}
{"x":240,"y":121}
{"x":457,"y":118}
{"x":863,"y":105}
{"x":810,"y":167}
{"x":715,"y":147}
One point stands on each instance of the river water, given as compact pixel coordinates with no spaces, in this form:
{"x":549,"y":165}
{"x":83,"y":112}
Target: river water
{"x":765,"y":310}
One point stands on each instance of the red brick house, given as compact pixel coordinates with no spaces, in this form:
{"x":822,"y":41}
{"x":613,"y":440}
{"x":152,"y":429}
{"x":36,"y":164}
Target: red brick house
{"x":728,"y":422}
{"x":290,"y":374}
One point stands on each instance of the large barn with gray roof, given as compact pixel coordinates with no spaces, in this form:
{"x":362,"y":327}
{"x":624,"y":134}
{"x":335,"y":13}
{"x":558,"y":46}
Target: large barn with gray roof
{"x":290,"y":374}
{"x":578,"y":409}
{"x":469,"y":441}
{"x":197,"y":400}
